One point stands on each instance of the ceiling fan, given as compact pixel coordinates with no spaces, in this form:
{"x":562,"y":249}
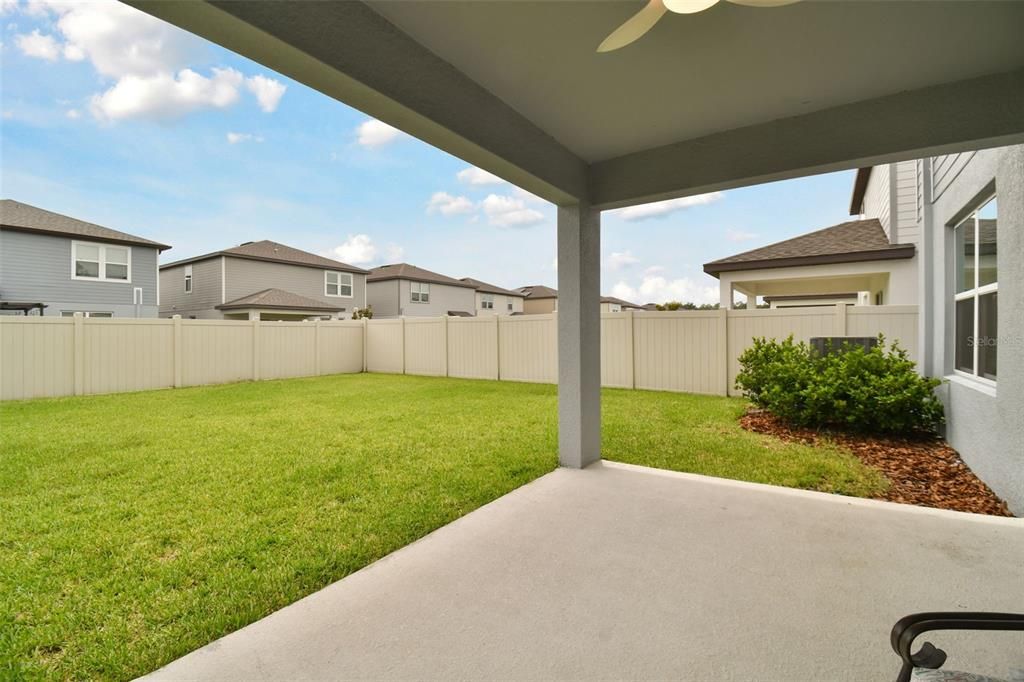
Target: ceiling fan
{"x":644,"y":20}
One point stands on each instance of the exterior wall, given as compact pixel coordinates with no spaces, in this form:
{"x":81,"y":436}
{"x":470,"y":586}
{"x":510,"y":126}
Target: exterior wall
{"x":983,"y":424}
{"x":38,"y":267}
{"x":383,"y":298}
{"x":501,"y":302}
{"x":244,"y":276}
{"x":904,"y":217}
{"x":877,"y":202}
{"x":206,"y":291}
{"x":442,"y":299}
{"x":539,"y":306}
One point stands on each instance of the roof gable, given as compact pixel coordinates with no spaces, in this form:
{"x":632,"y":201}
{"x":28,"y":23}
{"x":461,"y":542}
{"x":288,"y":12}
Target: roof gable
{"x":485,"y":288}
{"x":278,"y":298}
{"x":16,"y":215}
{"x":537,"y":291}
{"x":274,"y":252}
{"x":411,"y":272}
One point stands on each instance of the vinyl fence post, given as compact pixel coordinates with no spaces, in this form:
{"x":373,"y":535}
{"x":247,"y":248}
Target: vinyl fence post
{"x":444,"y":341}
{"x":632,"y":349}
{"x":79,"y":322}
{"x":316,"y":346}
{"x":497,"y":347}
{"x":402,"y":319}
{"x":366,"y":331}
{"x":840,"y":329}
{"x":256,"y":349}
{"x":176,"y":321}
{"x":723,"y":349}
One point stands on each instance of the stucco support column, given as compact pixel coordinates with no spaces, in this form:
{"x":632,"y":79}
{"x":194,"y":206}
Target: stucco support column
{"x":725,"y":294}
{"x":579,"y":335}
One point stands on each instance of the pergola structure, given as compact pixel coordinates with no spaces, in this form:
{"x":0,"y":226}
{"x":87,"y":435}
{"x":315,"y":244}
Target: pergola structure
{"x":728,"y":97}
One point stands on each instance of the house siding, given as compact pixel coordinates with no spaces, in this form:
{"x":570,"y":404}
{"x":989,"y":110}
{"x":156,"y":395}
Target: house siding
{"x":539,"y":306}
{"x":245,"y":276}
{"x":37,"y":267}
{"x":442,"y":299}
{"x":983,"y":425}
{"x":383,"y":298}
{"x":206,"y":290}
{"x":501,"y":302}
{"x":877,"y":195}
{"x":905,"y":185}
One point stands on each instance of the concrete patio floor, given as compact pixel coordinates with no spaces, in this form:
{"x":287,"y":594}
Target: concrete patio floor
{"x":618,"y":571}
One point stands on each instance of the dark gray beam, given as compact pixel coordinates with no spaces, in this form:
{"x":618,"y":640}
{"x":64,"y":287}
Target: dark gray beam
{"x":972,"y":114}
{"x":349,"y":52}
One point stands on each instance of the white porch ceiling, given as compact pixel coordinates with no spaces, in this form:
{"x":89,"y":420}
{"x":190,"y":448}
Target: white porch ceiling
{"x":728,"y":97}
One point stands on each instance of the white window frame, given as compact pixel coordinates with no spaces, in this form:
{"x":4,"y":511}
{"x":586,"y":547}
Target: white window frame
{"x":340,"y":277}
{"x":487,"y":301}
{"x":102,"y":261}
{"x":975,"y":292}
{"x":102,"y":314}
{"x":510,"y":307}
{"x":615,"y":308}
{"x":419,"y":292}
{"x":188,"y":279}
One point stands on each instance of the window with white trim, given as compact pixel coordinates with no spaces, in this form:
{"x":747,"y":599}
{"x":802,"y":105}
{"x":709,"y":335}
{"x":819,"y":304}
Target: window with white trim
{"x":71,"y":313}
{"x":188,"y":279}
{"x":977,"y":292}
{"x":615,"y":308}
{"x":487,"y":301}
{"x":338,"y":284}
{"x":419,"y":292}
{"x":510,"y":306}
{"x":101,"y":262}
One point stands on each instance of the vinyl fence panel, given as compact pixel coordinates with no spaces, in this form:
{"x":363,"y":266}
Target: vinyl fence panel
{"x":528,"y":348}
{"x":473,"y":347}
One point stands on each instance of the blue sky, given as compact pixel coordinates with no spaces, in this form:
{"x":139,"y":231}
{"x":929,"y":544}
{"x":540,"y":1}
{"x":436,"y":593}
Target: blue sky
{"x":116,"y":118}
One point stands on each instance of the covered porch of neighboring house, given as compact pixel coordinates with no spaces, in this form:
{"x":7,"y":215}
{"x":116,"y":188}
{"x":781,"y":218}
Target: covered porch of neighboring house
{"x":600,"y":570}
{"x":278,"y":305}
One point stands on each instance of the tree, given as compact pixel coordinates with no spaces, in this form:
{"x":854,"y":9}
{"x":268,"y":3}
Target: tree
{"x":361,"y":313}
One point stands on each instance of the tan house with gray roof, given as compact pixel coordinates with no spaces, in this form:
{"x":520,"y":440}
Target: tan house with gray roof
{"x":261,"y":280}
{"x":539,"y":299}
{"x":404,"y":290}
{"x":494,"y":300}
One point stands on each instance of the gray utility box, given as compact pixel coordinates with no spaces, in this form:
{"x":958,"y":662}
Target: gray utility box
{"x":834,"y":344}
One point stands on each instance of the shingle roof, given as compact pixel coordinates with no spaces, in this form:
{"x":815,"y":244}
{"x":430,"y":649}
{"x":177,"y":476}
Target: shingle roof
{"x":278,"y":298}
{"x":486,"y":288}
{"x":850,"y":242}
{"x":275,"y":253}
{"x":619,"y":301}
{"x":15,"y":215}
{"x":538,"y":291}
{"x":406,"y":271}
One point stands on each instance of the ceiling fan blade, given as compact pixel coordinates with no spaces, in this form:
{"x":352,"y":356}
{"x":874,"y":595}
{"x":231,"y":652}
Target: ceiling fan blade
{"x":637,"y":25}
{"x":763,"y":3}
{"x":689,"y":6}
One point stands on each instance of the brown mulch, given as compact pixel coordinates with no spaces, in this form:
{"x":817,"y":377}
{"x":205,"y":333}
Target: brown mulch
{"x":923,"y":471}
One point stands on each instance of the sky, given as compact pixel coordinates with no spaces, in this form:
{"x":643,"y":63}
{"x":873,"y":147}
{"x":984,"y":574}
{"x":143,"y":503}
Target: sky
{"x":114,"y":117}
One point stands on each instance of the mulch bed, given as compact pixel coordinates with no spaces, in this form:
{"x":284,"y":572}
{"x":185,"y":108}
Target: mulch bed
{"x":922,"y":471}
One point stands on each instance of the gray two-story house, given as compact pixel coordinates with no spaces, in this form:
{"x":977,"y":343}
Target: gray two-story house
{"x":401,"y":289}
{"x":52,"y":264}
{"x":261,"y":280}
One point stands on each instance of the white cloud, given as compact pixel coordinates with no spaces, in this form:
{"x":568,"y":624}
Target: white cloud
{"x":235,"y":138}
{"x":660,"y":209}
{"x":394,"y":252}
{"x":8,"y":6}
{"x":73,"y":114}
{"x":374,"y":133}
{"x":446,"y":204}
{"x":655,"y":288}
{"x":268,"y":91}
{"x":478,"y":176}
{"x":147,"y":59}
{"x":506,"y":211}
{"x":165,"y":97}
{"x":739,"y":235}
{"x":358,"y":249}
{"x":621,"y":259}
{"x":38,"y":45}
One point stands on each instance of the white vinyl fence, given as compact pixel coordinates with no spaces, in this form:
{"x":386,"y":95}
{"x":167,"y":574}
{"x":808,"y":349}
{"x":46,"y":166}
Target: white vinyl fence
{"x":692,"y":351}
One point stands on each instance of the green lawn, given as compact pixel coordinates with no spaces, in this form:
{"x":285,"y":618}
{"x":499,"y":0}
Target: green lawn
{"x":137,"y":527}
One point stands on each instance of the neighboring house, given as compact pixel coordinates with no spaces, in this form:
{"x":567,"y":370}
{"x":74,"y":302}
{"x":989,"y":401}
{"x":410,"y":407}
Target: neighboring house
{"x":856,"y":256}
{"x":539,"y":299}
{"x":261,"y":281}
{"x":401,"y":289}
{"x":610,"y":304}
{"x":57,"y":265}
{"x":493,"y":300}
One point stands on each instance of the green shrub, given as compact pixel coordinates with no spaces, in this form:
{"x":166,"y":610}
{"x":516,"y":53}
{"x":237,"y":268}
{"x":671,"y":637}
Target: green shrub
{"x":874,"y":390}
